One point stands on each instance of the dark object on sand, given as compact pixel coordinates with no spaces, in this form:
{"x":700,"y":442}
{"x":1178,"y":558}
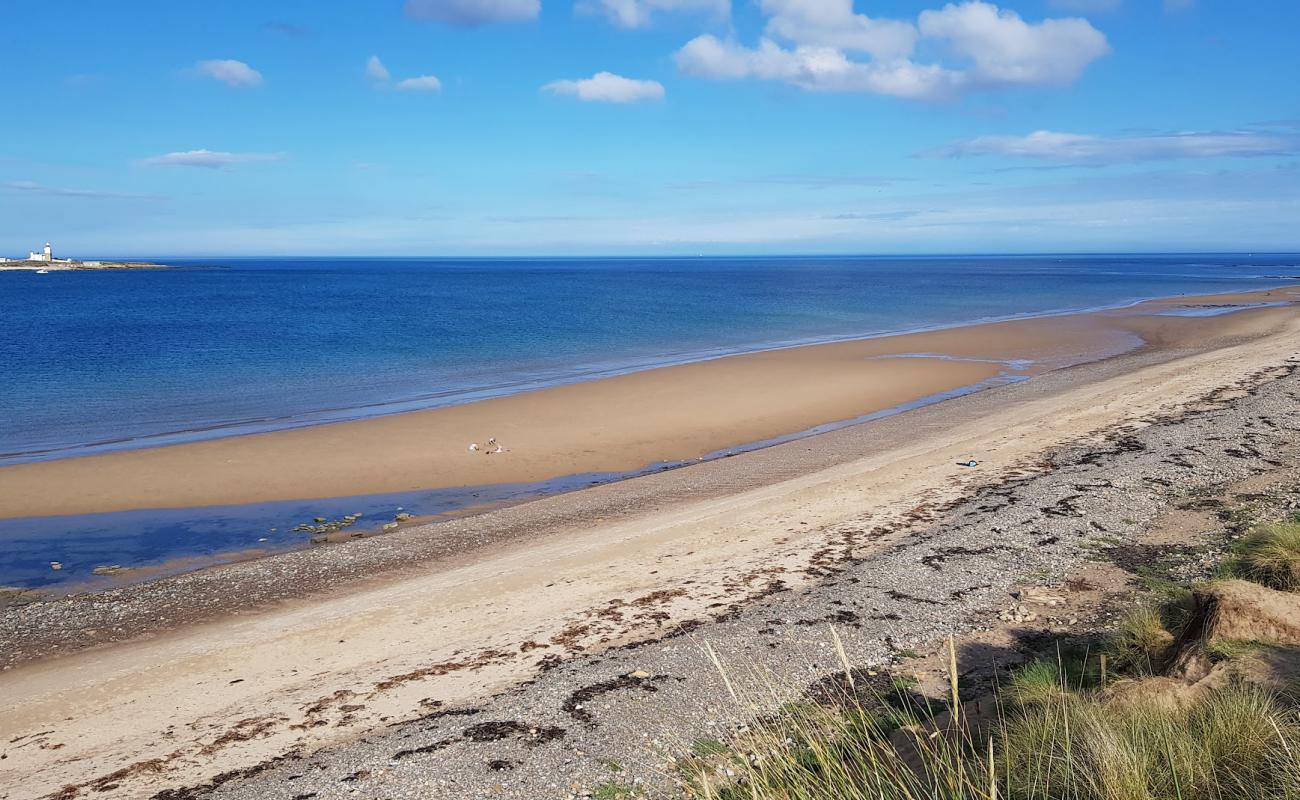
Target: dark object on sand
{"x":971,"y":463}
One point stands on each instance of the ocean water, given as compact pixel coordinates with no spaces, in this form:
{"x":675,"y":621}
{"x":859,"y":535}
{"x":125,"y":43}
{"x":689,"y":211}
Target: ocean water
{"x":94,"y":361}
{"x":97,"y":361}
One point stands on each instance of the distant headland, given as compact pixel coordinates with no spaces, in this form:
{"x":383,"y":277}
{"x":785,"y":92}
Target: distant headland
{"x":44,"y":261}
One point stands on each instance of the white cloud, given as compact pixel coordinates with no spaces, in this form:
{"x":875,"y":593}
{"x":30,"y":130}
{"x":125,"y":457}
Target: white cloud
{"x":379,"y":75}
{"x":208,"y":159}
{"x":1009,"y":51}
{"x":473,"y":12}
{"x":376,"y":71}
{"x":422,"y":83}
{"x":833,"y":23}
{"x":814,"y":68}
{"x":606,"y":87}
{"x":1074,"y":148}
{"x":807,"y":43}
{"x":638,"y":13}
{"x":230,"y":72}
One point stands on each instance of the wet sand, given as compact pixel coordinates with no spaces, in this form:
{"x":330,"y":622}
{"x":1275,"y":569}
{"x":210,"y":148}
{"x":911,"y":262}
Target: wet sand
{"x":617,"y":424}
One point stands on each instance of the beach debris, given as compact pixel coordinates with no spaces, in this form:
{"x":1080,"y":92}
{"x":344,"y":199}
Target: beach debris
{"x":639,"y":674}
{"x":56,"y":565}
{"x":112,"y":569}
{"x":327,"y":525}
{"x":473,"y":447}
{"x":1018,"y":613}
{"x":971,"y":463}
{"x":1040,"y":595}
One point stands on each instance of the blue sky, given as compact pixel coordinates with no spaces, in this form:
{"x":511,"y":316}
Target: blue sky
{"x":486,"y":127}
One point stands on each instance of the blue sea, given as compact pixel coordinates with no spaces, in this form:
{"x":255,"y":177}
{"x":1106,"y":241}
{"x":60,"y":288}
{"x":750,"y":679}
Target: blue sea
{"x":93,"y":361}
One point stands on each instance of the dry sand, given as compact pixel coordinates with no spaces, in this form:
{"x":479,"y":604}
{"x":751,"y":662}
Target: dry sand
{"x":617,"y":424}
{"x":181,"y":707}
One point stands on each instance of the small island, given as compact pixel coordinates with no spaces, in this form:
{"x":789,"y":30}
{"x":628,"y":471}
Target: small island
{"x":43,"y":261}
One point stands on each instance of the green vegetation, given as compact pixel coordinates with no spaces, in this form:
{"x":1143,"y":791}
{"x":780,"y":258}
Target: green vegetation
{"x":1129,"y":720}
{"x":1270,"y":554}
{"x":1144,"y":636}
{"x":1043,"y":740}
{"x":615,"y":791}
{"x":1238,"y":741}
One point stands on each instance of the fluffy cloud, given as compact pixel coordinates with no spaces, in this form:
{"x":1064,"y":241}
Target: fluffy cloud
{"x":230,"y":72}
{"x":376,"y":71}
{"x":207,"y":159}
{"x":814,"y":68}
{"x":422,"y":83}
{"x":1007,"y":50}
{"x":606,"y":87}
{"x":473,"y":12}
{"x":809,"y":44}
{"x":1074,"y":148}
{"x":833,"y":23}
{"x":637,"y":13}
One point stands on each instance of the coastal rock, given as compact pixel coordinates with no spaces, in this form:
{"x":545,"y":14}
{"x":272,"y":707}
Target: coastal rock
{"x":112,"y":569}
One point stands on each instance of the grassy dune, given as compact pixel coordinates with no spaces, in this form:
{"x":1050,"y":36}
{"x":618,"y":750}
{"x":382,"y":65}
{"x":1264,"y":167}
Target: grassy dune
{"x":1172,"y":705}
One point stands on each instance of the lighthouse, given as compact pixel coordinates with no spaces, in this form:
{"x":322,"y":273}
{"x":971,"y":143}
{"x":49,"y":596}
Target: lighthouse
{"x":46,"y":255}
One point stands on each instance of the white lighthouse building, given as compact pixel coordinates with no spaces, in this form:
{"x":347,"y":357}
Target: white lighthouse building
{"x":46,"y":255}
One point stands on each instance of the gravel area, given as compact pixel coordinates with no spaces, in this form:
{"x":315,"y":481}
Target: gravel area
{"x":617,"y":716}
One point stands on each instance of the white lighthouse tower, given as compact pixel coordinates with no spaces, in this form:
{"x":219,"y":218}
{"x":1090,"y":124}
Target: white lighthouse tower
{"x":46,"y":255}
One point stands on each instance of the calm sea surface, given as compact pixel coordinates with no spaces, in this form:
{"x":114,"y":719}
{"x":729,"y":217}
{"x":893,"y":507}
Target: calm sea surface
{"x":95,"y":361}
{"x":92,"y":361}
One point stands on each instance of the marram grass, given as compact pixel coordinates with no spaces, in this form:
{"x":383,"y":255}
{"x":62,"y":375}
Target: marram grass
{"x":1044,"y":741}
{"x":1270,"y":554}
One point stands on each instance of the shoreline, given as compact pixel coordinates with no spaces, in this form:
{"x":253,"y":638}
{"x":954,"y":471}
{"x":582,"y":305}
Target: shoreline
{"x":433,"y":401}
{"x":553,"y":585}
{"x":670,"y":414}
{"x":407,"y":509}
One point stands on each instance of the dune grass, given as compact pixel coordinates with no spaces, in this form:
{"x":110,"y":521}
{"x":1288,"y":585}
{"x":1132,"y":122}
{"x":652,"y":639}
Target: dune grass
{"x":1270,"y":554}
{"x":1048,"y":739}
{"x":1235,"y":742}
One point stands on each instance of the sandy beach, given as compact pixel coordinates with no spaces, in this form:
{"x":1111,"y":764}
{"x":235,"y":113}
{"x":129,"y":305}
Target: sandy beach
{"x":172,"y":683}
{"x":617,"y":424}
